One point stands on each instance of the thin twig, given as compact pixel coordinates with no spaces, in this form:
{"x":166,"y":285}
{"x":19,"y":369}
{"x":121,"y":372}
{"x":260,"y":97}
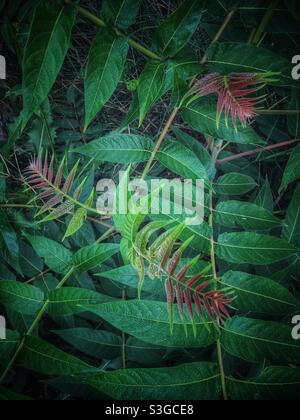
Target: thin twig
{"x":255,"y":151}
{"x":99,"y":22}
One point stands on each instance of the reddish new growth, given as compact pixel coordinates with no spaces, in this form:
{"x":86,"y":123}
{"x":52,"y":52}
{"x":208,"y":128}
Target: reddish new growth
{"x":41,"y":178}
{"x":235,"y":94}
{"x":194,"y":294}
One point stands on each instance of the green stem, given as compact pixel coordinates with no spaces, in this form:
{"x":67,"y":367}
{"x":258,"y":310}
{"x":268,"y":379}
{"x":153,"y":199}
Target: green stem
{"x":278,"y":112}
{"x":159,"y":142}
{"x":106,"y":235}
{"x":99,"y":22}
{"x":261,"y":29}
{"x":17,"y":206}
{"x":177,"y":109}
{"x":216,"y":148}
{"x":221,"y":31}
{"x":32,"y":328}
{"x":124,"y":337}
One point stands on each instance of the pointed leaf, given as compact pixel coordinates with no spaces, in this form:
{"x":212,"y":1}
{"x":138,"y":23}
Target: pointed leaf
{"x":202,"y":117}
{"x":150,"y":84}
{"x":254,"y":340}
{"x":195,"y":381}
{"x":292,"y":170}
{"x":252,"y":248}
{"x":92,"y":256}
{"x":259,"y":294}
{"x":118,"y":148}
{"x":148,"y":321}
{"x":291,"y":230}
{"x":45,"y":51}
{"x":42,"y":357}
{"x":56,"y":256}
{"x":235,"y":184}
{"x":104,"y":71}
{"x":275,"y":383}
{"x":99,"y":344}
{"x":247,"y":215}
{"x":175,"y":32}
{"x":120,"y":13}
{"x":66,"y":301}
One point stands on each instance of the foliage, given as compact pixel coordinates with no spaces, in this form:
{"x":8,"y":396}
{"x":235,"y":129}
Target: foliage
{"x":139,"y":305}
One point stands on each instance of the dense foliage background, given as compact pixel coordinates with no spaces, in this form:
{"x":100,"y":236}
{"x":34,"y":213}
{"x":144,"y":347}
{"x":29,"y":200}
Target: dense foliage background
{"x":99,"y":84}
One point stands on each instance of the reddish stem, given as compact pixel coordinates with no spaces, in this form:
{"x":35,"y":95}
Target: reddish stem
{"x":255,"y":151}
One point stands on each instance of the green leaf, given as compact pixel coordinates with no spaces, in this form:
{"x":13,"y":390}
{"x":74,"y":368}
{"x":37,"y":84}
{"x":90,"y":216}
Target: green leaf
{"x":76,"y":222}
{"x":92,"y":256}
{"x":42,"y":357}
{"x":235,"y":184}
{"x":148,"y":321}
{"x":292,"y":170}
{"x":104,"y":70}
{"x":46,"y":48}
{"x":202,"y":117}
{"x":31,"y":264}
{"x":294,"y":8}
{"x":7,"y":395}
{"x":252,"y":248}
{"x":175,"y":32}
{"x":66,"y":301}
{"x":195,"y":381}
{"x":201,"y":233}
{"x":265,"y":197}
{"x":56,"y":256}
{"x":273,"y":384}
{"x":235,"y":57}
{"x":291,"y":230}
{"x":120,"y":13}
{"x":140,"y":352}
{"x":181,"y":161}
{"x":21,"y":297}
{"x":150,"y":84}
{"x":259,"y":294}
{"x":246,"y":215}
{"x":128,"y":276}
{"x":198,"y":149}
{"x":99,"y":344}
{"x":118,"y":148}
{"x":8,"y":345}
{"x":254,"y":340}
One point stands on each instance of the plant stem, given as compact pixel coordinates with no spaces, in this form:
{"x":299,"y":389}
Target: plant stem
{"x":17,"y":206}
{"x":33,"y":326}
{"x":99,"y":22}
{"x":124,"y":337}
{"x":261,"y":29}
{"x":106,"y":235}
{"x":255,"y":151}
{"x":221,"y":31}
{"x":278,"y":112}
{"x":215,"y":150}
{"x":159,"y":142}
{"x":176,"y":110}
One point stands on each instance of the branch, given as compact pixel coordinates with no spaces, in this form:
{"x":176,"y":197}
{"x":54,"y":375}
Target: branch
{"x":99,"y":22}
{"x":255,"y":151}
{"x":32,"y":328}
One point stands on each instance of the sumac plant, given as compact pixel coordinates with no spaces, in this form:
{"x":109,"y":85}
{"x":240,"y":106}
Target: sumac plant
{"x":136,"y":305}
